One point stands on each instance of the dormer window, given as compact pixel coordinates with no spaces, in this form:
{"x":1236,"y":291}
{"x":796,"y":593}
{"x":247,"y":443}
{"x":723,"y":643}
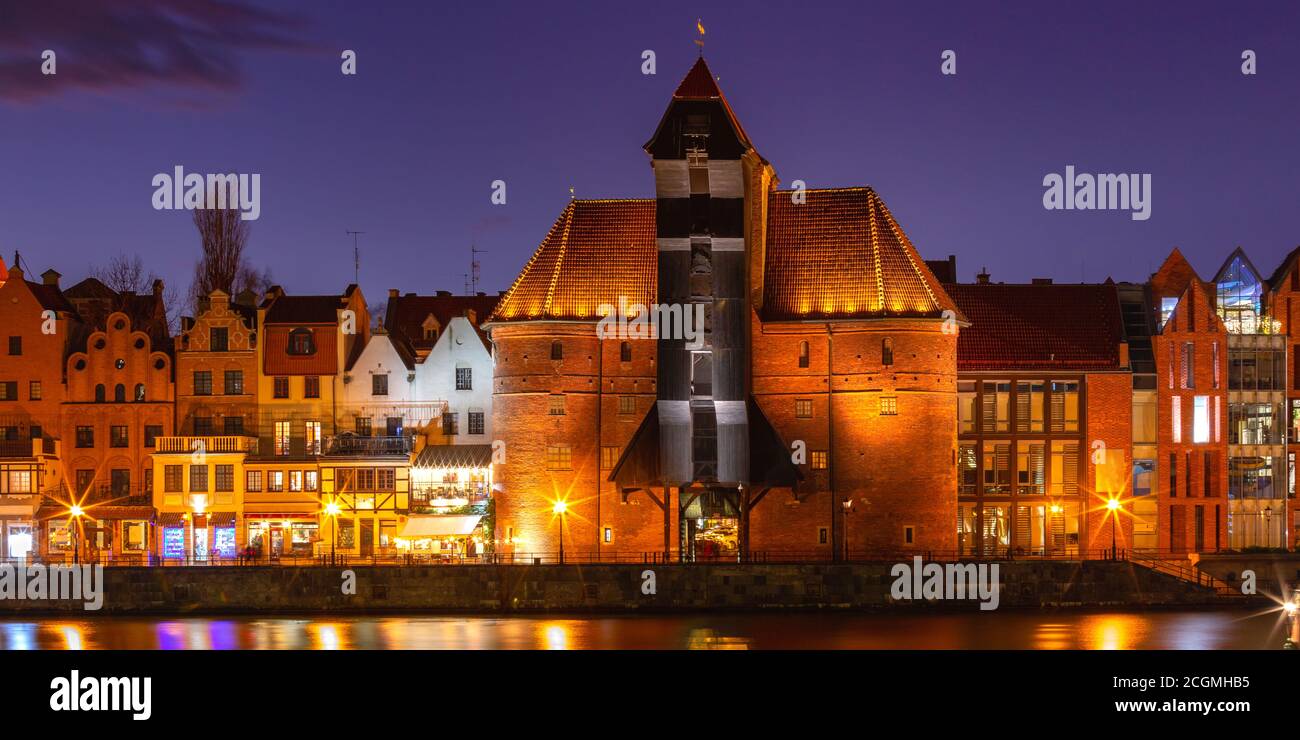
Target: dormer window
{"x":302,"y":342}
{"x":431,"y":328}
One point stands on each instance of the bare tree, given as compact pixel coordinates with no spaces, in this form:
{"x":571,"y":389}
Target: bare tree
{"x":124,"y":274}
{"x":223,"y":233}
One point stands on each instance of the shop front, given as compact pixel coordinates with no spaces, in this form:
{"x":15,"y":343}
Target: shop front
{"x":711,"y":526}
{"x":441,"y":537}
{"x":276,"y":535}
{"x":18,"y":526}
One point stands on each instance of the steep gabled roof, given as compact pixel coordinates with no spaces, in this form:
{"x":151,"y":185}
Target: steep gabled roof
{"x":304,"y":309}
{"x":597,"y":252}
{"x":1283,"y":269}
{"x":699,"y":84}
{"x":841,"y":254}
{"x":406,"y":314}
{"x":1048,"y":326}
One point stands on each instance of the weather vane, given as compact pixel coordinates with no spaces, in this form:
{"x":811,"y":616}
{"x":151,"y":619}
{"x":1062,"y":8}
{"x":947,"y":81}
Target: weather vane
{"x":699,"y":27}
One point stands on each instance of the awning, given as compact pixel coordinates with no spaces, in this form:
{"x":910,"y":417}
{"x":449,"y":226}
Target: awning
{"x":171,"y":519}
{"x":221,"y":519}
{"x":454,"y":456}
{"x":436,"y":525}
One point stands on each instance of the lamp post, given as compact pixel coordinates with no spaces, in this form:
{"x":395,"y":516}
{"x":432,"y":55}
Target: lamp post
{"x":1268,"y":526}
{"x":1113,"y":506}
{"x":847,"y":505}
{"x":74,"y":518}
{"x":332,"y":511}
{"x":560,"y":509}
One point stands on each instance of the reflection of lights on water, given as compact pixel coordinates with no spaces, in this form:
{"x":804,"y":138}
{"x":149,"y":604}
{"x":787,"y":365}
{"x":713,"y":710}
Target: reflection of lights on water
{"x":1052,"y":636}
{"x":73,"y":638}
{"x":19,"y":636}
{"x":555,"y":636}
{"x":707,"y":639}
{"x":1111,"y":632}
{"x":325,"y":637}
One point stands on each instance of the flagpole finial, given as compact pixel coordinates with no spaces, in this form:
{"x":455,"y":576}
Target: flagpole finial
{"x":699,"y":28}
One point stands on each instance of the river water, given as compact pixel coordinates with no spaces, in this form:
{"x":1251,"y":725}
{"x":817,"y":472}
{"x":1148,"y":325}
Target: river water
{"x":1003,"y":630}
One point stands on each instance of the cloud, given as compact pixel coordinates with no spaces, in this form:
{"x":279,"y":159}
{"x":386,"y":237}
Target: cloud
{"x":112,"y":45}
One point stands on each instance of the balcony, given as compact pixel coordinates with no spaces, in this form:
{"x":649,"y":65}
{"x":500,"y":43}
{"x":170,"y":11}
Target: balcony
{"x":351,"y":445}
{"x":29,"y":448}
{"x":209,"y":445}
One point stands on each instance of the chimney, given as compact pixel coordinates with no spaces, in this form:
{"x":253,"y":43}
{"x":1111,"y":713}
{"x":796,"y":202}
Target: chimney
{"x":394,"y":292}
{"x":444,"y":293}
{"x":157,"y":288}
{"x":1041,"y":281}
{"x":472,"y":315}
{"x":274,"y":292}
{"x":50,"y":277}
{"x":983,"y":277}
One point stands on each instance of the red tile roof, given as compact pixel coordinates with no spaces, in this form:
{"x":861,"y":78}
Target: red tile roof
{"x":1031,"y":327}
{"x":597,"y":252}
{"x":838,"y":255}
{"x":406,"y":314}
{"x":700,"y":84}
{"x":841,"y":254}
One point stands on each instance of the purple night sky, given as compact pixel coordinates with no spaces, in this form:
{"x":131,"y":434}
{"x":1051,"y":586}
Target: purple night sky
{"x":548,"y":95}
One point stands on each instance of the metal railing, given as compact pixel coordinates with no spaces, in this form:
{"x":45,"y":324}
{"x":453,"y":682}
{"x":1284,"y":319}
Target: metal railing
{"x":350,"y":444}
{"x":206,"y":444}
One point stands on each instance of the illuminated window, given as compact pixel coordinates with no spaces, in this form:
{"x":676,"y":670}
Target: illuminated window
{"x":282,"y":437}
{"x":1167,"y":306}
{"x":888,"y":405}
{"x":819,"y":460}
{"x":275,"y":481}
{"x":803,"y":408}
{"x":559,"y":457}
{"x":313,"y":437}
{"x":295,"y":480}
{"x":1176,"y":419}
{"x":313,"y":480}
{"x":609,"y":535}
{"x":1065,"y":406}
{"x":253,"y":481}
{"x":609,"y":456}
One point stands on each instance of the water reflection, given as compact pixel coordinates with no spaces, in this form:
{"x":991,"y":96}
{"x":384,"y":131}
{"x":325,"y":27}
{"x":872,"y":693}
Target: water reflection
{"x":1001,"y":631}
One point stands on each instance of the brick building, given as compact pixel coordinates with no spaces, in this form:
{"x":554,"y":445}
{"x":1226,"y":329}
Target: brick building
{"x":826,"y":345}
{"x":1044,"y":419}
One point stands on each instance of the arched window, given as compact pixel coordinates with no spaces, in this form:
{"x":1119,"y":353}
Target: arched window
{"x":887,"y":351}
{"x":803,"y":354}
{"x":119,"y":393}
{"x":625,"y":352}
{"x":99,"y":393}
{"x":139,"y":391}
{"x":557,"y":350}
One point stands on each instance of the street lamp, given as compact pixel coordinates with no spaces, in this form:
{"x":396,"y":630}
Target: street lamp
{"x":74,"y":515}
{"x":1268,"y":526}
{"x":1113,"y":506}
{"x":332,"y":511}
{"x":560,"y":509}
{"x":847,"y":505}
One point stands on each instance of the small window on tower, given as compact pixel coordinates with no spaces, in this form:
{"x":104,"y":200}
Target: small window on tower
{"x":887,"y":351}
{"x":803,"y":354}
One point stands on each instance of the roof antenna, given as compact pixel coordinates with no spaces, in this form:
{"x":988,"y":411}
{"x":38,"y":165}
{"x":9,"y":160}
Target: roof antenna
{"x":356,"y":258}
{"x":474,"y":252}
{"x":699,"y":28}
